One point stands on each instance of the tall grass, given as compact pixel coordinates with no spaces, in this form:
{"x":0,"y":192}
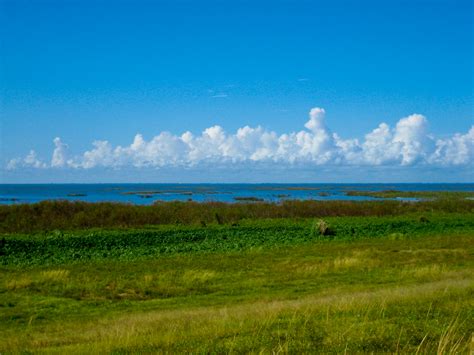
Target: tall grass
{"x":65,"y":215}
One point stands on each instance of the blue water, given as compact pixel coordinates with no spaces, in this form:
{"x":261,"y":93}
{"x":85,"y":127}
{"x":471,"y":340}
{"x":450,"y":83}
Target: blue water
{"x":146,"y":194}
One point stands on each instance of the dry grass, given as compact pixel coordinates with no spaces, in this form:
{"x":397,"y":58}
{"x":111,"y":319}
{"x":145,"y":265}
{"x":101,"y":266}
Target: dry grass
{"x":422,"y":272}
{"x":59,"y":275}
{"x":48,"y":277}
{"x":356,"y":260}
{"x":18,"y":283}
{"x":198,"y":276}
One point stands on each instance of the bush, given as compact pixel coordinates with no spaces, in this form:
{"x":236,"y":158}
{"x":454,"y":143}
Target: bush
{"x":324,"y":228}
{"x":423,"y":219}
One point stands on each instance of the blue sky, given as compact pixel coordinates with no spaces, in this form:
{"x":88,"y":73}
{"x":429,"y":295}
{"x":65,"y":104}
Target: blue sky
{"x":88,"y":71}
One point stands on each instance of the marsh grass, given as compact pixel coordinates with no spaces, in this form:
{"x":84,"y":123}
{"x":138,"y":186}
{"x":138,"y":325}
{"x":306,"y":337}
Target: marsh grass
{"x":440,"y":195}
{"x":67,"y":215}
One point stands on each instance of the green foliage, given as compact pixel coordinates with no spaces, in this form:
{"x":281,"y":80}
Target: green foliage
{"x":63,"y":247}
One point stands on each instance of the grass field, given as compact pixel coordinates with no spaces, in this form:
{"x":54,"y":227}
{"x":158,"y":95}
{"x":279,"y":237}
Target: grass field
{"x":392,"y":283}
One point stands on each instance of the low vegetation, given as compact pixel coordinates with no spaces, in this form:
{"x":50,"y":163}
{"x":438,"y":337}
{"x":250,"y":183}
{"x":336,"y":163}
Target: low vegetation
{"x":248,"y":198}
{"x":393,"y":278}
{"x":415,"y":194}
{"x":48,"y":248}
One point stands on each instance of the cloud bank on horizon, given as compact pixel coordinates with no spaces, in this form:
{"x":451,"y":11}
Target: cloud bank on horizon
{"x":409,"y":143}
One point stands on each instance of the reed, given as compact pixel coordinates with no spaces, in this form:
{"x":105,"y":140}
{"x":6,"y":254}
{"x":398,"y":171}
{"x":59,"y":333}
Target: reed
{"x":66,"y":215}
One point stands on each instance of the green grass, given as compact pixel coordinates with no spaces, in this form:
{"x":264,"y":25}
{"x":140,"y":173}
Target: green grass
{"x":399,"y":283}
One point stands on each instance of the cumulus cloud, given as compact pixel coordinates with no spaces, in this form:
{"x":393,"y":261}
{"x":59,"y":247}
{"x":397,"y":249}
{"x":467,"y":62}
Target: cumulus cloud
{"x":29,"y":161}
{"x":408,"y":143}
{"x":59,"y":153}
{"x":458,"y":150}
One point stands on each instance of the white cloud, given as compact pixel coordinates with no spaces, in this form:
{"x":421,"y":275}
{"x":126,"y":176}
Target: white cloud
{"x":101,"y":155}
{"x":59,"y":154}
{"x":458,"y":150}
{"x":378,"y":147}
{"x":29,"y":161}
{"x":408,"y":143}
{"x":316,"y":119}
{"x":411,"y":136}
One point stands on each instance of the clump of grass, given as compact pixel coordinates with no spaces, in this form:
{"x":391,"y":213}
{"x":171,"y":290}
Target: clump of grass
{"x":396,"y":236}
{"x":347,"y":262}
{"x":422,"y":272}
{"x":148,"y":278}
{"x":198,"y":276}
{"x":450,"y":342}
{"x":58,"y":275}
{"x":18,"y":283}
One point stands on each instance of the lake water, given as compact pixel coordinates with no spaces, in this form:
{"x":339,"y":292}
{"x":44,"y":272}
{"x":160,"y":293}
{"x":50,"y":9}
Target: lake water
{"x":145,"y":194}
